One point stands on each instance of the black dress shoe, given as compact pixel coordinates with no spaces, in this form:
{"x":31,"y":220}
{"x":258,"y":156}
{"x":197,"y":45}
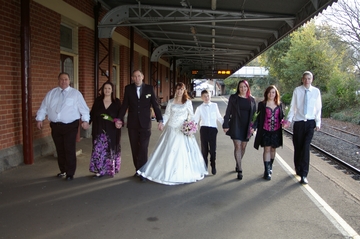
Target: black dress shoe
{"x":69,"y":177}
{"x":213,"y":170}
{"x":304,"y":180}
{"x":239,"y":175}
{"x":60,"y":175}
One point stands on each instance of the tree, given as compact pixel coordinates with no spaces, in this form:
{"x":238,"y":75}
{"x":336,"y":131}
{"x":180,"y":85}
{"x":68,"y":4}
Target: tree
{"x":271,"y":59}
{"x":325,"y":31}
{"x":345,"y":15}
{"x":306,"y":52}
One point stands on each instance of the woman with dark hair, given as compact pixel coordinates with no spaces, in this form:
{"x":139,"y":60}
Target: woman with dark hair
{"x":238,"y":121}
{"x":105,"y":157}
{"x":177,"y":158}
{"x":269,"y":128}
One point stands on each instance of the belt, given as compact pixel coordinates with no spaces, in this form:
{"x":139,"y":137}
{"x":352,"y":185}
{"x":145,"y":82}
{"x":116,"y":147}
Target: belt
{"x":60,"y":123}
{"x":305,"y":120}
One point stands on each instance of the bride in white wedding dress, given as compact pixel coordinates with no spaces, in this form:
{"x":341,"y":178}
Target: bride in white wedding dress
{"x":177,"y":158}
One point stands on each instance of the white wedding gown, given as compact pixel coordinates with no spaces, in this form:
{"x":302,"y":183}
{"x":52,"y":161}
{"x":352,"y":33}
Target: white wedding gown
{"x":177,"y":158}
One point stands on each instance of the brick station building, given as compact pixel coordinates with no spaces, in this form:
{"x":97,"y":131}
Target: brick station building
{"x":39,"y":39}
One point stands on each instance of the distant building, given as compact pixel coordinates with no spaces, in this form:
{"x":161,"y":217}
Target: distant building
{"x":251,"y":71}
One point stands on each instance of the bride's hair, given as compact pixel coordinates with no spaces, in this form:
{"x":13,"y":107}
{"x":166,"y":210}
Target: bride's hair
{"x":185,"y":96}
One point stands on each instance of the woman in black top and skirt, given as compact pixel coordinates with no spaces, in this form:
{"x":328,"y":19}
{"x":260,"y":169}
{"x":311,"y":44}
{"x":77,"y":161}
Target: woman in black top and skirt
{"x":238,"y":121}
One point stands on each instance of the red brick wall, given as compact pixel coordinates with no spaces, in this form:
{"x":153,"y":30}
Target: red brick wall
{"x":10,"y":87}
{"x":137,"y":62}
{"x":85,"y":6}
{"x":140,"y":41}
{"x":44,"y":63}
{"x":145,"y":66}
{"x":125,"y":77}
{"x":124,"y":31}
{"x":45,"y":55}
{"x":86,"y":64}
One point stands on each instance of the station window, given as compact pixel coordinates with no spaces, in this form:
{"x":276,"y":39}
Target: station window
{"x":69,"y":50}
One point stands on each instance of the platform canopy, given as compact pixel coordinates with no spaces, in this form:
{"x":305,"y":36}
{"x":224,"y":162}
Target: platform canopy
{"x":209,"y":35}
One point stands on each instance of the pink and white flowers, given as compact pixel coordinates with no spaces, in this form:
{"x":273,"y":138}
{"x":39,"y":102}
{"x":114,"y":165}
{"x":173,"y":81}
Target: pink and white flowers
{"x":189,"y":127}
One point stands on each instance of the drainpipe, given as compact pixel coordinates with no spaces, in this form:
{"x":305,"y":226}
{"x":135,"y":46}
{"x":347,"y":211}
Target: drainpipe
{"x":28,"y":151}
{"x":97,"y":9}
{"x":132,"y":32}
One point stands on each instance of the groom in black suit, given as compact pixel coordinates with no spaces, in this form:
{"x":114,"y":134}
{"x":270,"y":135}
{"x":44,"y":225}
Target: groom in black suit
{"x":138,"y":99}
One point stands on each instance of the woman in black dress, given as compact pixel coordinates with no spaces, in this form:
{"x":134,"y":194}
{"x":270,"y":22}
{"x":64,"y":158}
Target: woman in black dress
{"x":105,"y":157}
{"x":269,"y":128}
{"x":238,"y":121}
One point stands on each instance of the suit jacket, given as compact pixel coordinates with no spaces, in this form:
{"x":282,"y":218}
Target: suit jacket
{"x":139,"y":109}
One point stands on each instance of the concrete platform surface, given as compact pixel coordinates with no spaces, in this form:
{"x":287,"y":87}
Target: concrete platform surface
{"x":36,"y":204}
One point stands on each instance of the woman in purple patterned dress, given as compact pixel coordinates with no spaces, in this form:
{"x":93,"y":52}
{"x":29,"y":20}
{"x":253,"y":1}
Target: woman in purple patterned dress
{"x":105,"y":156}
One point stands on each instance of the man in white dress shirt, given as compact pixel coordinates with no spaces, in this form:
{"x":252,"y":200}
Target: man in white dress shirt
{"x":305,"y":111}
{"x":64,"y":106}
{"x":208,"y":113}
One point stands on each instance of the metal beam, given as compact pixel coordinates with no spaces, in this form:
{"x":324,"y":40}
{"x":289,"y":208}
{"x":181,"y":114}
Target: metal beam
{"x":190,"y":50}
{"x":145,"y":15}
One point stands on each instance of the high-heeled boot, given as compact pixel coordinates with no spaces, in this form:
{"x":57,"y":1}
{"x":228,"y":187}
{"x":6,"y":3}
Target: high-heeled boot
{"x":267,"y":174}
{"x":239,"y":175}
{"x":271,"y":164}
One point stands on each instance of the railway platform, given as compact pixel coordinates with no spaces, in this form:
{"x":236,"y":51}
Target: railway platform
{"x":36,"y":204}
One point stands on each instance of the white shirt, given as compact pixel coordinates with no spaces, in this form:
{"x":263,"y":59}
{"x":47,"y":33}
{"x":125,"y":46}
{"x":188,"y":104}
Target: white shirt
{"x":73,"y":107}
{"x":208,"y":114}
{"x":296,"y":112}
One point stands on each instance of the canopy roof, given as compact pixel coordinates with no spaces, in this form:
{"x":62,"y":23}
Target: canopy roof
{"x":209,"y":35}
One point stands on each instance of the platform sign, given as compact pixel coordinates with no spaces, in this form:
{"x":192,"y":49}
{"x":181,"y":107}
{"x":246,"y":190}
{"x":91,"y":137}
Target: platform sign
{"x":223,"y":72}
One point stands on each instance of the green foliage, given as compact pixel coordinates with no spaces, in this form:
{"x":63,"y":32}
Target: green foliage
{"x":344,"y":86}
{"x":350,"y":115}
{"x":308,"y":53}
{"x":286,"y":98}
{"x":271,"y":59}
{"x":329,"y":104}
{"x":341,"y":95}
{"x":231,"y":84}
{"x":322,"y":51}
{"x":257,"y":84}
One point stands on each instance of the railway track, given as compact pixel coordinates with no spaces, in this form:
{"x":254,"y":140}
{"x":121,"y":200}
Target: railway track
{"x":348,"y":167}
{"x":341,"y":134}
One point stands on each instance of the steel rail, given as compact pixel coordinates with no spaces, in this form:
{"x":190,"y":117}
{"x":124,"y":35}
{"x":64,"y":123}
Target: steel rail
{"x":338,"y":160}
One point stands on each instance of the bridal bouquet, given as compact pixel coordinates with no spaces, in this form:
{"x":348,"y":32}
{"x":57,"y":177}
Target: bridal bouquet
{"x":284,"y":121}
{"x":189,"y":127}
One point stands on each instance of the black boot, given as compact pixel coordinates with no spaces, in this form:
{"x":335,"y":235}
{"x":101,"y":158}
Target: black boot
{"x":239,"y":175}
{"x":213,"y":168}
{"x":267,"y":174}
{"x":271,"y":164}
